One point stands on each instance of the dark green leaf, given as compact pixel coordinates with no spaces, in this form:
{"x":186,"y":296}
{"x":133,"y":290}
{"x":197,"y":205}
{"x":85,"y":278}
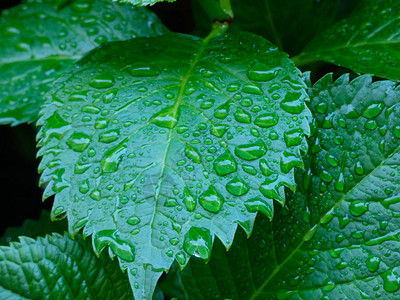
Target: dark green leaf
{"x":57,"y":267}
{"x":174,"y":140}
{"x":39,"y":41}
{"x":366,"y":42}
{"x":338,"y":237}
{"x":34,"y":228}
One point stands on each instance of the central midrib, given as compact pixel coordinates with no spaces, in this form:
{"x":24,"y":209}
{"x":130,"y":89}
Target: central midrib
{"x":313,"y":229}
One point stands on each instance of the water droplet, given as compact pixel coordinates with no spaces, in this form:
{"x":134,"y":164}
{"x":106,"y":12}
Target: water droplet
{"x":267,"y":120}
{"x":222,"y":111}
{"x":110,"y":238}
{"x":373,"y":109}
{"x":293,"y":137}
{"x":84,"y":186}
{"x":252,"y":88}
{"x":396,"y":131}
{"x":133,"y":220}
{"x":211,"y":200}
{"x":358,"y":169}
{"x":292,"y":103}
{"x":90,"y":109}
{"x":339,"y":183}
{"x":141,"y":69}
{"x":249,"y":169}
{"x":391,"y":280}
{"x":289,"y":161}
{"x":78,"y":141}
{"x":257,"y":204}
{"x":95,"y":195}
{"x":81,"y":7}
{"x":206,"y":104}
{"x":331,"y":160}
{"x":390,"y":200}
{"x":218,"y":130}
{"x":102,"y":81}
{"x":373,"y":263}
{"x":193,"y":154}
{"x":265,"y":169}
{"x":251,"y":151}
{"x":261,"y":72}
{"x":350,"y":112}
{"x":325,"y":176}
{"x":189,"y":201}
{"x":358,"y":208}
{"x":237,"y":187}
{"x":113,"y":157}
{"x":170,"y":202}
{"x":109,"y":136}
{"x":166,"y":118}
{"x":225,"y":164}
{"x":198,"y":240}
{"x":242,"y":116}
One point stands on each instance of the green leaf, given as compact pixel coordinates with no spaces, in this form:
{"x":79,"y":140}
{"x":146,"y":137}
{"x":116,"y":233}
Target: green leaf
{"x":142,"y":2}
{"x":57,"y":267}
{"x":174,"y":140}
{"x":34,"y":228}
{"x":39,"y":41}
{"x":288,"y":24}
{"x":366,"y":42}
{"x":338,"y":236}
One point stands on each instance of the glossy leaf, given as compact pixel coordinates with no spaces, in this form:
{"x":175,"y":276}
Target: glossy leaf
{"x":366,"y":42}
{"x":40,"y":40}
{"x":57,"y":267}
{"x":34,"y":228}
{"x":175,"y":140}
{"x":338,"y":236}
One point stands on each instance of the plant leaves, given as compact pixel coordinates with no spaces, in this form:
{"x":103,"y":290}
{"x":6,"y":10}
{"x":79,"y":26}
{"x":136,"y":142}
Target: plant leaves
{"x":288,"y":24}
{"x":57,"y":267}
{"x":171,"y":142}
{"x":40,"y":40}
{"x":34,"y":228}
{"x":367,"y":42}
{"x":142,"y":2}
{"x":338,"y":236}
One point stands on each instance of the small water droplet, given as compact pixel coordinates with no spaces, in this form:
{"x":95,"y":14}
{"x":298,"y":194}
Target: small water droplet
{"x":252,"y":88}
{"x":84,"y":186}
{"x":206,"y":104}
{"x":193,"y":154}
{"x":109,"y":136}
{"x":133,"y":220}
{"x":292,"y":103}
{"x":189,"y":200}
{"x":373,"y":263}
{"x":113,"y":157}
{"x":78,"y":141}
{"x":267,"y":120}
{"x":166,"y":118}
{"x":339,"y":183}
{"x":222,"y":111}
{"x":373,"y":110}
{"x":211,"y":200}
{"x":141,"y":69}
{"x":242,"y":116}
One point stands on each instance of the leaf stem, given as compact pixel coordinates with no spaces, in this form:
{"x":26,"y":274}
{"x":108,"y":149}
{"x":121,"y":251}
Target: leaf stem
{"x":218,"y":10}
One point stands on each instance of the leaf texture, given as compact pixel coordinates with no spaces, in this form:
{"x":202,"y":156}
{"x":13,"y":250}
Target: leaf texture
{"x":142,"y":2}
{"x":366,"y":42}
{"x":57,"y":267}
{"x":175,"y":140}
{"x":338,"y":236}
{"x":39,"y":40}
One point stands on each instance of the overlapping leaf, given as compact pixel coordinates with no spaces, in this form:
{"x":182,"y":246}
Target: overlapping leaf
{"x":39,"y":40}
{"x":367,"y":42}
{"x":338,"y":237}
{"x":57,"y":267}
{"x":174,"y":140}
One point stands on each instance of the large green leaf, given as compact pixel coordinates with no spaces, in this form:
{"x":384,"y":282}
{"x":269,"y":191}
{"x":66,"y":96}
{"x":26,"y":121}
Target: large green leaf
{"x":34,"y":228}
{"x":174,"y":140}
{"x":367,"y":42}
{"x":39,"y":40}
{"x":57,"y":267}
{"x":289,"y":24}
{"x":338,"y":236}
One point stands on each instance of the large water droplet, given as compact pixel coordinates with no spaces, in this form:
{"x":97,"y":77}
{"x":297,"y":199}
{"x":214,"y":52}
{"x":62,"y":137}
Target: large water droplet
{"x":293,"y":137}
{"x":252,"y":88}
{"x":289,"y":161}
{"x":193,"y":154}
{"x":358,"y":208}
{"x":189,"y":201}
{"x":391,"y":280}
{"x":258,"y":204}
{"x":198,"y":241}
{"x":219,"y":130}
{"x":261,"y":72}
{"x":222,"y":111}
{"x":113,"y":157}
{"x":267,"y":120}
{"x":390,"y":200}
{"x":133,"y":220}
{"x":102,"y":81}
{"x":373,"y":263}
{"x":251,"y":151}
{"x":78,"y":141}
{"x":292,"y":103}
{"x":141,"y":69}
{"x":110,"y":238}
{"x":237,"y":187}
{"x":167,"y":117}
{"x":211,"y":200}
{"x":242,"y":116}
{"x":225,"y":164}
{"x":109,"y":136}
{"x":373,"y":109}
